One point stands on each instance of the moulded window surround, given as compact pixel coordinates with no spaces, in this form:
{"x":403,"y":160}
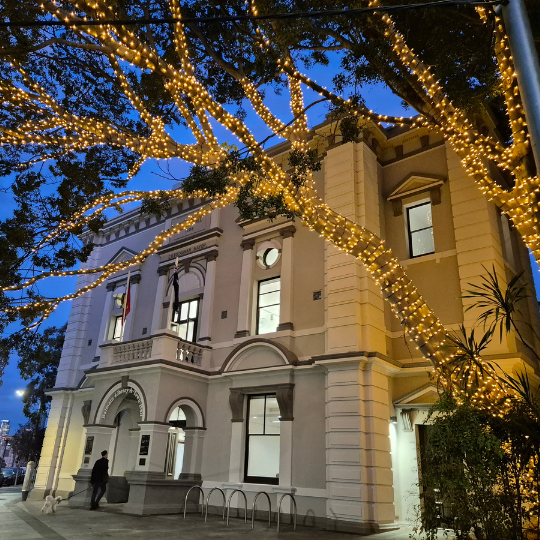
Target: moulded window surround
{"x":420,"y":230}
{"x":185,"y":320}
{"x":268,"y":305}
{"x":268,"y":254}
{"x":263,"y":427}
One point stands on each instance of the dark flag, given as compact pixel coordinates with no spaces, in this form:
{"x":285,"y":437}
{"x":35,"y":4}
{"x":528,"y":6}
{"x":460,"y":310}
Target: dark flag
{"x":175,"y":287}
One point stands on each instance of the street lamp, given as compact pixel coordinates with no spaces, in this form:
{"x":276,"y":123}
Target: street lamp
{"x":20,"y":393}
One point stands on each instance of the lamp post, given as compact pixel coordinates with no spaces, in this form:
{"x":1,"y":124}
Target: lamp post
{"x":527,"y":66}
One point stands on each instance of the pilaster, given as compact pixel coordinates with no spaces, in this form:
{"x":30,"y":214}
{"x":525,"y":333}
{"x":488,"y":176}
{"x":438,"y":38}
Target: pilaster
{"x":355,"y":307}
{"x":246,"y":289}
{"x":358,"y":458}
{"x":478,"y":239}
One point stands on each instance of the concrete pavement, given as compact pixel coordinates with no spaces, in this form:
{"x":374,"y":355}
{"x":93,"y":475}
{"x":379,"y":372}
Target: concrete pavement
{"x":24,"y":521}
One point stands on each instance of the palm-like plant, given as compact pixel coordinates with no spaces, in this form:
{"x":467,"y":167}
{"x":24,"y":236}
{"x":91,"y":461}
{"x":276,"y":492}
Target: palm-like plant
{"x":501,"y":307}
{"x":466,"y":368}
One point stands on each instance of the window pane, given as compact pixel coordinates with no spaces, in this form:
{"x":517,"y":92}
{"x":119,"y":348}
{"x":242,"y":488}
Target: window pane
{"x":270,"y":256}
{"x":175,"y":316}
{"x":256,"y":415}
{"x":420,"y":217}
{"x":269,"y":286}
{"x":268,"y":319}
{"x":182,"y":331}
{"x":272,"y":422}
{"x":184,"y":311}
{"x":193,"y":309}
{"x":422,"y":242}
{"x":117,"y":332}
{"x":190,"y":331}
{"x":269,"y":299}
{"x":263,"y":456}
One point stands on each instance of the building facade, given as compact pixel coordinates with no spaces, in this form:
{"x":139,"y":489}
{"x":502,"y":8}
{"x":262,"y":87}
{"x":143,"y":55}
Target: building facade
{"x":282,"y":370}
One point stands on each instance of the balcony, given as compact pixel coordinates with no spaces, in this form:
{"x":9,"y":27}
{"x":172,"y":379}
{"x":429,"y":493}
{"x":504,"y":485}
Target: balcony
{"x":163,"y":345}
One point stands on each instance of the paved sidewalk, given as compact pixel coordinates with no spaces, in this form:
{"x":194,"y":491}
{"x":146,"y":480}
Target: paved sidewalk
{"x":24,"y":521}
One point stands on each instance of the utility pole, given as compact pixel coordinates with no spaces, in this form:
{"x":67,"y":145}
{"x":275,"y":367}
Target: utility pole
{"x":527,"y":66}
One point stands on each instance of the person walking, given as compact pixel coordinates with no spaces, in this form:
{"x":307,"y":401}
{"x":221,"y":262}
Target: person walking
{"x":99,"y":479}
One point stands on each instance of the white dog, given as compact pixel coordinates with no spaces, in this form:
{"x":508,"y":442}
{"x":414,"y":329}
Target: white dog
{"x":49,"y":507}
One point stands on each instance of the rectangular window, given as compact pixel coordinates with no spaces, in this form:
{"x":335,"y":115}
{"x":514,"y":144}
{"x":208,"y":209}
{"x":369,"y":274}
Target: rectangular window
{"x":185,"y":320}
{"x":268,"y":300}
{"x":420,"y":230}
{"x":118,"y":328}
{"x":262,"y":440}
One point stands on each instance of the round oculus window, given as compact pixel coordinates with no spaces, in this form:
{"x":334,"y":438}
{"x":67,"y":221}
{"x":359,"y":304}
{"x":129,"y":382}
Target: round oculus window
{"x":270,"y":257}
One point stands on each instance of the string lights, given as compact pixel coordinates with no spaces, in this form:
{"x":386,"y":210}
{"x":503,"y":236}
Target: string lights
{"x":57,"y":127}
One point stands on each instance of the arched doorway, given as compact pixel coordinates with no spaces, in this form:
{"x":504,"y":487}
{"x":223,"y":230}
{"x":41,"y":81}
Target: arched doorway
{"x":186,"y":434}
{"x":176,"y":444}
{"x":125,"y":440}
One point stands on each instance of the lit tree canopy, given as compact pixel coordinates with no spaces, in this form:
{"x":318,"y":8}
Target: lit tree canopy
{"x":84,"y":106}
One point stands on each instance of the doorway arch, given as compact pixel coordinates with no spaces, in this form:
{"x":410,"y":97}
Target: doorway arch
{"x":186,"y":434}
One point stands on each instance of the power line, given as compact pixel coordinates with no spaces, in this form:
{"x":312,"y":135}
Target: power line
{"x":235,"y":18}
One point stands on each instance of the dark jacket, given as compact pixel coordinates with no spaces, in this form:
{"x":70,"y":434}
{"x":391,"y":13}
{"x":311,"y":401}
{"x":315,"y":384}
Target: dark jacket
{"x":100,"y":472}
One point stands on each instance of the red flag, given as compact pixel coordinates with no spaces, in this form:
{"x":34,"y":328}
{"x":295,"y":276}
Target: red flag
{"x":127,"y":302}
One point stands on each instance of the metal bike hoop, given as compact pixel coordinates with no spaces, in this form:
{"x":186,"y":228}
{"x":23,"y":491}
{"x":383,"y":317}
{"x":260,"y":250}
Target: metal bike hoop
{"x":185,"y":501}
{"x":279,"y":509}
{"x":208,"y":500}
{"x":229,"y":505}
{"x":254,"y":507}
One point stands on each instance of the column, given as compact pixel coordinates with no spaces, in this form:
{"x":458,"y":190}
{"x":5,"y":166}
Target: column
{"x":105,"y":318}
{"x":354,"y":303}
{"x":286,"y":297}
{"x":102,"y":439}
{"x":134,"y":437}
{"x":478,"y":241}
{"x":152,"y":448}
{"x":157,"y":317}
{"x":193,"y":452}
{"x":128,"y":329}
{"x":57,"y":423}
{"x":207,"y":308}
{"x":358,"y":458}
{"x":246,"y":289}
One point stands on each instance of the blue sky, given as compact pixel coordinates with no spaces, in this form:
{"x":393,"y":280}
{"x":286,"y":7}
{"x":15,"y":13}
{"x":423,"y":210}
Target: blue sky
{"x":377,"y":97}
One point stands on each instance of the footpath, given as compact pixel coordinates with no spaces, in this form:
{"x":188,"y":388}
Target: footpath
{"x":24,"y":521}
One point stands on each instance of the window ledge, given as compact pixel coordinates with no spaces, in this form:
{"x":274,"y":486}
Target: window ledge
{"x":437,"y":256}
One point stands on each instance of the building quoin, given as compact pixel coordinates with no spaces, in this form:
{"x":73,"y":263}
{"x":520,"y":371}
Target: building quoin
{"x":282,"y":370}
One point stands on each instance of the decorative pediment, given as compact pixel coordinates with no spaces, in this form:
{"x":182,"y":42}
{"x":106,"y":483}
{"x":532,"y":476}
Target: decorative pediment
{"x":123,"y":254}
{"x":420,"y":398}
{"x":413,"y":184}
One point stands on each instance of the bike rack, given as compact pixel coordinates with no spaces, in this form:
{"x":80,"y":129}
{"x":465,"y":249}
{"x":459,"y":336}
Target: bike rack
{"x":229,"y":505}
{"x":254,"y":507}
{"x":185,"y":501}
{"x":208,"y":499}
{"x":279,"y":510}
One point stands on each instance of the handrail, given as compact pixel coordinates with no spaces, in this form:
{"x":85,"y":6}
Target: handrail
{"x":208,"y":500}
{"x":279,"y":509}
{"x":185,"y":501}
{"x":254,"y":507}
{"x":229,"y":505}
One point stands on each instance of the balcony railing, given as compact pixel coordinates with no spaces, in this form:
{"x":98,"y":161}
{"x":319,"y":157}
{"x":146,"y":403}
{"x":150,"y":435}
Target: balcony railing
{"x":164,"y":345}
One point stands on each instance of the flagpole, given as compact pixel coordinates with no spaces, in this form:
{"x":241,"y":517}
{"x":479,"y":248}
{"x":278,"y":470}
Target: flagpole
{"x":125,"y":304}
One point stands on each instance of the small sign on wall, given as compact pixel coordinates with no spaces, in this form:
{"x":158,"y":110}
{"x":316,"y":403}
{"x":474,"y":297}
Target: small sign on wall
{"x":89,"y":445}
{"x":145,"y":445}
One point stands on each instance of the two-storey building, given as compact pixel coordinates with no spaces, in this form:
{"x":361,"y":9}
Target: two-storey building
{"x":282,"y":370}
